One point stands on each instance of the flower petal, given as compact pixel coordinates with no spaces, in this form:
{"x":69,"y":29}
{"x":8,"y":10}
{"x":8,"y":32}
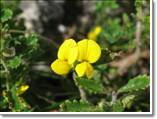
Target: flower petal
{"x":22,"y":89}
{"x":82,"y":49}
{"x":92,"y":36}
{"x":81,"y":69}
{"x":60,"y":67}
{"x":67,"y":49}
{"x":93,"y":51}
{"x":89,"y":70}
{"x":84,"y":68}
{"x":72,"y":54}
{"x":97,"y":30}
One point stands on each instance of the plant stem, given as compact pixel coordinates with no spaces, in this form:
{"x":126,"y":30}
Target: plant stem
{"x":81,"y":91}
{"x":6,"y":70}
{"x":114,"y":96}
{"x":139,"y":16}
{"x":82,"y":94}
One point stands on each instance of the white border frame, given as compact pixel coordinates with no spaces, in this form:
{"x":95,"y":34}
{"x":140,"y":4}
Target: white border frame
{"x":151,"y":113}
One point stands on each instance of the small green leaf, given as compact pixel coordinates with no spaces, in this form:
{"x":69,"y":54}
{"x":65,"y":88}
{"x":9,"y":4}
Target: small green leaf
{"x":6,"y":14}
{"x":140,"y":82}
{"x":128,"y":100}
{"x":117,"y":107}
{"x":78,"y":106}
{"x":91,"y":85}
{"x":32,"y":40}
{"x":15,"y":62}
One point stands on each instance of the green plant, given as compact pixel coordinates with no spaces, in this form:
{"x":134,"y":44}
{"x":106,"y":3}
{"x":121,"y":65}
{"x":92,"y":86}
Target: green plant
{"x":105,"y":69}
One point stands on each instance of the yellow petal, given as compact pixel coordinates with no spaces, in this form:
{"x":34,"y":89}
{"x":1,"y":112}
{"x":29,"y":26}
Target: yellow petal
{"x":82,"y":50}
{"x":92,"y":36}
{"x":67,"y":49}
{"x":60,"y":67}
{"x":72,"y":54}
{"x":22,"y":89}
{"x":93,"y":51}
{"x":84,"y":68}
{"x":89,"y":70}
{"x":97,"y":30}
{"x":81,"y":69}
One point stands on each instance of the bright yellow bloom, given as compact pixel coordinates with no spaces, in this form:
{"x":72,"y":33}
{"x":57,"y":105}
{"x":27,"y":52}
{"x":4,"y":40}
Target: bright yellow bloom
{"x":85,"y":51}
{"x":88,"y":52}
{"x":60,"y":67}
{"x":22,"y":89}
{"x":84,"y":68}
{"x":67,"y":55}
{"x":68,"y":51}
{"x":94,"y":33}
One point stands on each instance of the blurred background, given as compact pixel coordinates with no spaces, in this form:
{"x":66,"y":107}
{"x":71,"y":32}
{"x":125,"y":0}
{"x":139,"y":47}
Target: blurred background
{"x":38,"y":27}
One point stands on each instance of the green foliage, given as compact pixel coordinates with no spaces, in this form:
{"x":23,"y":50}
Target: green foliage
{"x":18,"y":104}
{"x":140,"y":82}
{"x":78,"y":106}
{"x":87,"y":84}
{"x":16,"y":54}
{"x":32,"y":41}
{"x":15,"y":62}
{"x":26,"y":58}
{"x":128,"y":100}
{"x":6,"y":14}
{"x":117,"y":107}
{"x":106,"y":5}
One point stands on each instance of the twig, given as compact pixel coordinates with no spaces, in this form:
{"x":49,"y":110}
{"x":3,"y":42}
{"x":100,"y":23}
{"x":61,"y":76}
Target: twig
{"x":124,"y":63}
{"x":138,"y":30}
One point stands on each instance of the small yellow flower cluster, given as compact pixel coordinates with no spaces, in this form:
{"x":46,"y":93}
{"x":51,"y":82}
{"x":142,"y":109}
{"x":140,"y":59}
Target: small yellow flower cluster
{"x":22,"y":89}
{"x":85,"y":52}
{"x":94,"y":33}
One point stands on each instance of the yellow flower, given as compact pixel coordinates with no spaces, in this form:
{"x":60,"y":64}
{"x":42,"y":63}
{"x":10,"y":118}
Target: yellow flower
{"x":60,"y":67}
{"x":22,"y":89}
{"x":94,"y":33}
{"x":88,"y":52}
{"x":67,"y":55}
{"x":84,"y":68}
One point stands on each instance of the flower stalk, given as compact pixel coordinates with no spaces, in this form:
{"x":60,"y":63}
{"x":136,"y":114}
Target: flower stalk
{"x":82,"y":92}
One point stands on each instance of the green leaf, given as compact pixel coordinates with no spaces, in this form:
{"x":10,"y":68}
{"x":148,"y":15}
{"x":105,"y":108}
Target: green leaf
{"x":91,"y":85}
{"x":128,"y":100}
{"x":140,"y":82}
{"x":32,"y":40}
{"x":6,"y":14}
{"x":78,"y":106}
{"x":117,"y":107}
{"x":15,"y":62}
{"x":105,"y":5}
